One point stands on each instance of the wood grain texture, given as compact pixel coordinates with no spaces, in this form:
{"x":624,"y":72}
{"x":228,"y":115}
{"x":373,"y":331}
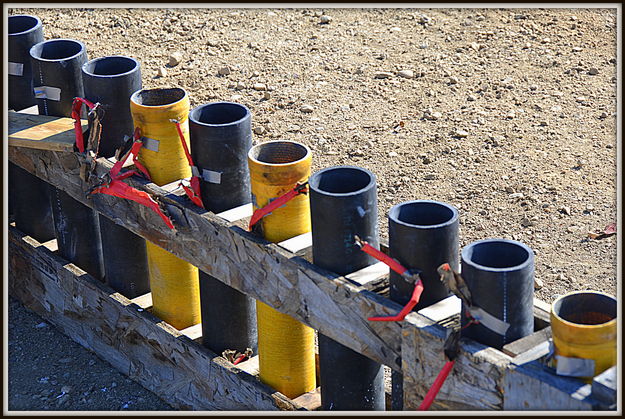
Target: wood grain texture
{"x":265,"y":271}
{"x":41,"y":132}
{"x":182,"y":372}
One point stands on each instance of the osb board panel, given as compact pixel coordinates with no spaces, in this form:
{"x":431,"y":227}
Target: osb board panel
{"x":151,"y":352}
{"x":42,"y":132}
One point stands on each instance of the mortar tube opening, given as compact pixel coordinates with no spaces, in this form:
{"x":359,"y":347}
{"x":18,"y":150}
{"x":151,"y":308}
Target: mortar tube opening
{"x":497,"y":255}
{"x":341,"y":180}
{"x":57,"y":49}
{"x":115,"y":65}
{"x":158,"y":97}
{"x":586,"y":308}
{"x":423,"y":214}
{"x":20,"y":24}
{"x":278,"y":152}
{"x":219,"y":114}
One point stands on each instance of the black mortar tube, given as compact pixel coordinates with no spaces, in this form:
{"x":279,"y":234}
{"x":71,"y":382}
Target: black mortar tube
{"x":29,"y":196}
{"x":221,"y":136}
{"x":24,"y":32}
{"x":343,"y":204}
{"x":56,"y":66}
{"x":500,"y":276}
{"x":423,"y":235}
{"x":111,"y":81}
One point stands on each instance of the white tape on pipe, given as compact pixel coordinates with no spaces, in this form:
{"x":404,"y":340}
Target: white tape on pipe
{"x":47,"y":92}
{"x":150,"y":144}
{"x":575,"y":367}
{"x":16,"y":69}
{"x":211,"y":176}
{"x":489,"y":321}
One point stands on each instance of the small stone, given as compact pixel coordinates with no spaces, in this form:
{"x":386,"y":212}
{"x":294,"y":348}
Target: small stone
{"x":526,"y":222}
{"x":393,"y":154}
{"x":306,"y":109}
{"x":66,"y":389}
{"x":239,"y":86}
{"x":593,"y":71}
{"x":436,"y":115}
{"x":577,"y":49}
{"x":510,"y":115}
{"x":175,"y":59}
{"x":260,"y":87}
{"x":461,"y":133}
{"x":556,"y":108}
{"x":543,"y":123}
{"x":453,"y":80}
{"x":260,"y":130}
{"x":266,"y":95}
{"x":325,"y":19}
{"x":580,"y":99}
{"x":358,"y":153}
{"x":407,"y":74}
{"x":382,"y":75}
{"x":429,"y":176}
{"x":475,"y":46}
{"x":561,"y":277}
{"x":516,"y":195}
{"x":234,"y":98}
{"x":571,"y":229}
{"x":565,"y":210}
{"x":161,"y":72}
{"x":538,"y":283}
{"x":471,"y":98}
{"x":224,"y":71}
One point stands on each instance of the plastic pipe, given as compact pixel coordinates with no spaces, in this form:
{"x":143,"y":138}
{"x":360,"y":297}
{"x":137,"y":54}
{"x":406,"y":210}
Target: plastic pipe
{"x":500,"y":275}
{"x":29,"y":197}
{"x":174,"y":282}
{"x":343,"y":204}
{"x":111,"y":81}
{"x":423,"y":234}
{"x":24,"y":32}
{"x":221,"y":137}
{"x":286,"y":347}
{"x":57,"y":78}
{"x":583,"y":326}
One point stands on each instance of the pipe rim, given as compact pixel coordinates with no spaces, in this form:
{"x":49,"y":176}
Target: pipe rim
{"x":313,"y":181}
{"x":393,"y":214}
{"x":93,"y":62}
{"x":31,"y":29}
{"x":194,"y":114}
{"x":135,"y":96}
{"x":253,"y":151}
{"x":468,"y":248}
{"x":609,"y":323}
{"x":56,"y":40}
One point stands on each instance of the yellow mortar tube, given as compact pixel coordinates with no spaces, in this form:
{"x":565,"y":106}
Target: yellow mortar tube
{"x":583,"y":325}
{"x":174,"y":283}
{"x":286,"y":347}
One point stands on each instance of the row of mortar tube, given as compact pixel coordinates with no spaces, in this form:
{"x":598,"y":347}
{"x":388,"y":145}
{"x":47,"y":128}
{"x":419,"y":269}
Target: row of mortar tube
{"x":423,"y":222}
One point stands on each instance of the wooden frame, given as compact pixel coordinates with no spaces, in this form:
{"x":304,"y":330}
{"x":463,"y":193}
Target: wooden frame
{"x":281,"y":276}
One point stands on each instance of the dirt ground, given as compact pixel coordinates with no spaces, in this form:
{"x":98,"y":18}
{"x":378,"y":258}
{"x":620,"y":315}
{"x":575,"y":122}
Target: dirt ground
{"x":508,"y":114}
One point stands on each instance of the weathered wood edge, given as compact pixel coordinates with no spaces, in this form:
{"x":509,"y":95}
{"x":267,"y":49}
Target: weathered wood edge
{"x":482,"y":378}
{"x":182,"y":372}
{"x":323,"y":300}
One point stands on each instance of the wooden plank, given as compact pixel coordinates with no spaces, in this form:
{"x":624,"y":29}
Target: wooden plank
{"x":250,"y":366}
{"x":542,"y":312}
{"x":298,"y":243}
{"x":290,"y":284}
{"x":443,"y":309}
{"x":310,"y":400}
{"x":369,"y":274}
{"x":604,"y":388}
{"x":237,"y":213}
{"x":528,"y":342}
{"x":193,"y":332}
{"x":151,"y":352}
{"x":42,"y":132}
{"x":143,"y":301}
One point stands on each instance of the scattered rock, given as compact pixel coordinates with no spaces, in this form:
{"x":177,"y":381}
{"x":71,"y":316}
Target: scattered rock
{"x":460,"y":133}
{"x":453,"y":80}
{"x":407,"y":74}
{"x":382,"y":75}
{"x":325,"y":19}
{"x":516,"y":195}
{"x":471,"y":98}
{"x":260,"y":87}
{"x":565,"y":210}
{"x":393,"y":154}
{"x":224,"y":71}
{"x":593,"y":71}
{"x":266,"y":95}
{"x":161,"y":72}
{"x":260,"y":130}
{"x":358,"y":153}
{"x":538,"y":283}
{"x":306,"y":109}
{"x":175,"y":59}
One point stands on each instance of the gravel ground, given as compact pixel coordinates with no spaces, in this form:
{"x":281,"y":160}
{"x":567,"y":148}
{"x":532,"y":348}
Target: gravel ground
{"x":508,"y":114}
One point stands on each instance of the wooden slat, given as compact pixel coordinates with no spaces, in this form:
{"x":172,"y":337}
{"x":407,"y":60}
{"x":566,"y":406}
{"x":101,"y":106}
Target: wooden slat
{"x":193,"y":332}
{"x":322,"y":300}
{"x":369,"y":274}
{"x":298,"y":243}
{"x":182,"y":372}
{"x":251,"y":366}
{"x":528,"y":342}
{"x":237,"y":213}
{"x":310,"y":400}
{"x":42,"y":132}
{"x":144,"y":301}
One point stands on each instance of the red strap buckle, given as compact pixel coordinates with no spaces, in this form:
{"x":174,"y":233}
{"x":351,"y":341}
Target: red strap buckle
{"x":76,"y":106}
{"x":260,"y":213}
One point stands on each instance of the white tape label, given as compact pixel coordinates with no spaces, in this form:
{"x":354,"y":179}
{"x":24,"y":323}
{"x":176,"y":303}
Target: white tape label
{"x":16,"y":69}
{"x":150,"y":144}
{"x":489,"y":321}
{"x":47,"y":92}
{"x":575,"y":367}
{"x":211,"y":176}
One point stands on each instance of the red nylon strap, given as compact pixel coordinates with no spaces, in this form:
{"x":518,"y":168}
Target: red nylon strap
{"x":122,"y":190}
{"x":299,"y":188}
{"x":76,"y":105}
{"x":194,"y":191}
{"x":438,"y":383}
{"x":134,"y":152}
{"x":397,"y":267}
